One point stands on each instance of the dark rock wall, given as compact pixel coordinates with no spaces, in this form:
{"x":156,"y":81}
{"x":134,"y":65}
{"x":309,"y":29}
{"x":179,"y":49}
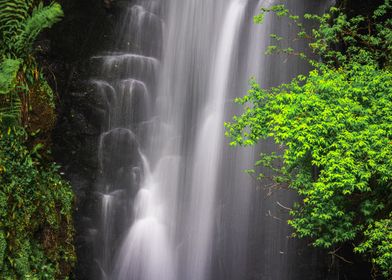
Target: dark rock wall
{"x":65,"y":51}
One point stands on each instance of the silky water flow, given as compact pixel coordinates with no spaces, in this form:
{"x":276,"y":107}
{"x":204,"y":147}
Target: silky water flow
{"x":173,"y":200}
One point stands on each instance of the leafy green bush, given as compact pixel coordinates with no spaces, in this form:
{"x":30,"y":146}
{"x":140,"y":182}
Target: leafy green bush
{"x":336,"y":126}
{"x":36,"y":230}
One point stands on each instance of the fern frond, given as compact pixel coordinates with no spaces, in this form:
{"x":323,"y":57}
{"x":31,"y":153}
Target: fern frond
{"x":12,"y":16}
{"x":10,"y":103}
{"x":42,"y":17}
{"x":8,"y":70}
{"x":12,"y":12}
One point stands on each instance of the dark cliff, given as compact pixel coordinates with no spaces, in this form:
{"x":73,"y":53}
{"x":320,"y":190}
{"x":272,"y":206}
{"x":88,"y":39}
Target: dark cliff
{"x":65,"y":51}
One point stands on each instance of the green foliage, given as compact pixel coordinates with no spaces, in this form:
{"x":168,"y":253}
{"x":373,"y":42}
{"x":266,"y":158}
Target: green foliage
{"x":9,"y":102}
{"x":42,"y":17}
{"x":21,"y":22}
{"x":379,"y":244}
{"x":12,"y":13}
{"x":36,"y":231}
{"x":338,"y":38}
{"x":336,"y":126}
{"x":8,"y":71}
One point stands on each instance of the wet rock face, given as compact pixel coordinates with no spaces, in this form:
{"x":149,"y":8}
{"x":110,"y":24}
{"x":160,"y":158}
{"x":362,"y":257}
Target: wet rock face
{"x":86,"y":154}
{"x":108,"y":3}
{"x":119,"y":150}
{"x":65,"y":51}
{"x":85,"y":30}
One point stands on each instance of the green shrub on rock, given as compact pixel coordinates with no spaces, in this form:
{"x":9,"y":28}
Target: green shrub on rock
{"x":335,"y":125}
{"x":36,"y":230}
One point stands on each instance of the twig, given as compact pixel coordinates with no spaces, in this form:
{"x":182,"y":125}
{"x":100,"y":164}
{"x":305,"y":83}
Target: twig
{"x":333,"y":253}
{"x":284,"y":207}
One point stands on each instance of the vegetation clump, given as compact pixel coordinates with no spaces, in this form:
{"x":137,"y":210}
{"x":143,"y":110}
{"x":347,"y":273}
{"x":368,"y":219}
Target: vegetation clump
{"x":36,"y":230}
{"x":20,"y":76}
{"x":335,"y":125}
{"x":36,"y":227}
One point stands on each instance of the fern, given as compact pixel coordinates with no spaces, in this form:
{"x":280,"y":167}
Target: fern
{"x":21,"y":21}
{"x":13,"y":14}
{"x":8,"y":70}
{"x":42,"y":17}
{"x":10,"y":103}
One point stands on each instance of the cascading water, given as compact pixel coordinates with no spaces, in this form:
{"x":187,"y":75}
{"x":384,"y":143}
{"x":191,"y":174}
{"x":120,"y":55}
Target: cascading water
{"x":146,"y":253}
{"x":172,"y":200}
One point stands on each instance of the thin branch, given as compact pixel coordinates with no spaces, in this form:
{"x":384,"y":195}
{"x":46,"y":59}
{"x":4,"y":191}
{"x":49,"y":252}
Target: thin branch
{"x":284,"y":207}
{"x":333,"y":253}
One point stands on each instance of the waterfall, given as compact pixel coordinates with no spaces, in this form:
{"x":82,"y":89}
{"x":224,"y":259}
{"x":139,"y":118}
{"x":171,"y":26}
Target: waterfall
{"x":172,"y":200}
{"x":146,"y":253}
{"x":207,"y":151}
